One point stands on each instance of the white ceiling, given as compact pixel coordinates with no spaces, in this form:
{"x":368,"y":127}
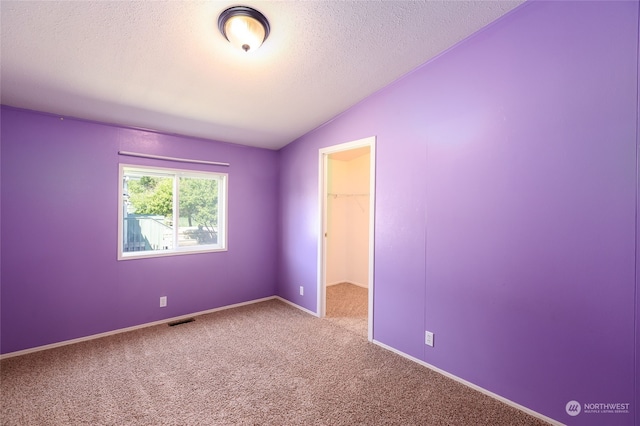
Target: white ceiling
{"x":164,"y":65}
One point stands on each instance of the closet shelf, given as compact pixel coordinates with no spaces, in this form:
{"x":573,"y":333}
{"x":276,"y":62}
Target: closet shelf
{"x":331,"y":194}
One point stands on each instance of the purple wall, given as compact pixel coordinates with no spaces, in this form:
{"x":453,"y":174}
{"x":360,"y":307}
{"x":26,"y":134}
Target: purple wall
{"x":60,"y":276}
{"x":506,"y":207}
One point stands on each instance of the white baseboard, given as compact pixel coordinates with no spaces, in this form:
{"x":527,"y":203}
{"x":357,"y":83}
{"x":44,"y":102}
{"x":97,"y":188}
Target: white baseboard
{"x":288,"y":302}
{"x":348,"y":282}
{"x":135,"y":327}
{"x":472,"y":386}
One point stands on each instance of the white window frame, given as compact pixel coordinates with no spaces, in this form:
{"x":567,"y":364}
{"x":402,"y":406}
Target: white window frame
{"x":222,"y":243}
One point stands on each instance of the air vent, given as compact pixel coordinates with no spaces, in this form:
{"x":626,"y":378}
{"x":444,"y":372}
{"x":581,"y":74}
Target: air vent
{"x":182,"y":321}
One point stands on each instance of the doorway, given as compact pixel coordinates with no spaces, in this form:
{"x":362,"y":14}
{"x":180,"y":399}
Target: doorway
{"x":345,"y":240}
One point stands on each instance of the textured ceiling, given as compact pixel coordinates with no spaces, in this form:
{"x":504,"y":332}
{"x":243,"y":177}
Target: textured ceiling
{"x":164,"y":65}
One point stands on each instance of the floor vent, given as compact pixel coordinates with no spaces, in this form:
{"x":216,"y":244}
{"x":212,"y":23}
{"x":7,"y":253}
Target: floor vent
{"x":182,"y":321}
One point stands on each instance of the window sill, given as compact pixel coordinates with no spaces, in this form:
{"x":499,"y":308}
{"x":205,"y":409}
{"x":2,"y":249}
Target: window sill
{"x":165,"y":253}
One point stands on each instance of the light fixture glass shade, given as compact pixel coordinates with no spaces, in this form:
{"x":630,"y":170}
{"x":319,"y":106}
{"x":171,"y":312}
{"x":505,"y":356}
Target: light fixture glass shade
{"x":244,"y":27}
{"x":244,"y":32}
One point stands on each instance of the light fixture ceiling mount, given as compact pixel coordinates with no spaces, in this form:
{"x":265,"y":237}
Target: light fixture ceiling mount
{"x":244,"y":27}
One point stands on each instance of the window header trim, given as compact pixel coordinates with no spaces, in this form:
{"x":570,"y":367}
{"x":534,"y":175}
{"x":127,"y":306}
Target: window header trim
{"x":181,"y":160}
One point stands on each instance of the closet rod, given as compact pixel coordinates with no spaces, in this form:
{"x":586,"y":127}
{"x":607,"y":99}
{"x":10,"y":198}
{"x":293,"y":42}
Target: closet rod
{"x":162,"y":157}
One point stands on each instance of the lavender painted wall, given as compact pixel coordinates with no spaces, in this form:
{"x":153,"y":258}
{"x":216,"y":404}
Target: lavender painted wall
{"x":506,"y":208}
{"x":60,"y":276}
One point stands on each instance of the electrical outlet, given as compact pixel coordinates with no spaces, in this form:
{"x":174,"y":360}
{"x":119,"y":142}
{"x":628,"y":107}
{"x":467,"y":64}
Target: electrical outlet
{"x":163,"y":301}
{"x":428,"y":338}
{"x":301,"y":291}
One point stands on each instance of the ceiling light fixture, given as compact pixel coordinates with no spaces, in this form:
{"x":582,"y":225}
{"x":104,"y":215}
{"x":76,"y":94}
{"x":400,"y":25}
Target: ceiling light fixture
{"x":244,"y":27}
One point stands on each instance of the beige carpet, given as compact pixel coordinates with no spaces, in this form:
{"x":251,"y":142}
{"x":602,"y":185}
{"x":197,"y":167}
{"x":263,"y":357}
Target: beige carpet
{"x":263,"y":364}
{"x":347,"y":307}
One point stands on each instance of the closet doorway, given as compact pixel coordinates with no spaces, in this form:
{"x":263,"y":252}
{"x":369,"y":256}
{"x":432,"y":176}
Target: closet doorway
{"x":345,"y":252}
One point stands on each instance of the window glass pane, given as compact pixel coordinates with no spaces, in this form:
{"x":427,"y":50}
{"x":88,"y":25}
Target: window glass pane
{"x":198,"y":211}
{"x":147,"y":212}
{"x":168,"y":212}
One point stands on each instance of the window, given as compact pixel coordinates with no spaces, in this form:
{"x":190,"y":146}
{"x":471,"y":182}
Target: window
{"x":168,"y":211}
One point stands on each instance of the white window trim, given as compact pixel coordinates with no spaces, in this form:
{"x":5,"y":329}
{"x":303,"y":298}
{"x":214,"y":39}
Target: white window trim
{"x":176,"y":251}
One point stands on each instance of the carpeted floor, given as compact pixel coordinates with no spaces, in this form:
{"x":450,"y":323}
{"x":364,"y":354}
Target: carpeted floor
{"x":262,"y":364}
{"x":347,"y":307}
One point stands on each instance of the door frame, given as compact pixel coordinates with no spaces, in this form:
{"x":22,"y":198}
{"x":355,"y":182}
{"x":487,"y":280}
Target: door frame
{"x":323,"y":161}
